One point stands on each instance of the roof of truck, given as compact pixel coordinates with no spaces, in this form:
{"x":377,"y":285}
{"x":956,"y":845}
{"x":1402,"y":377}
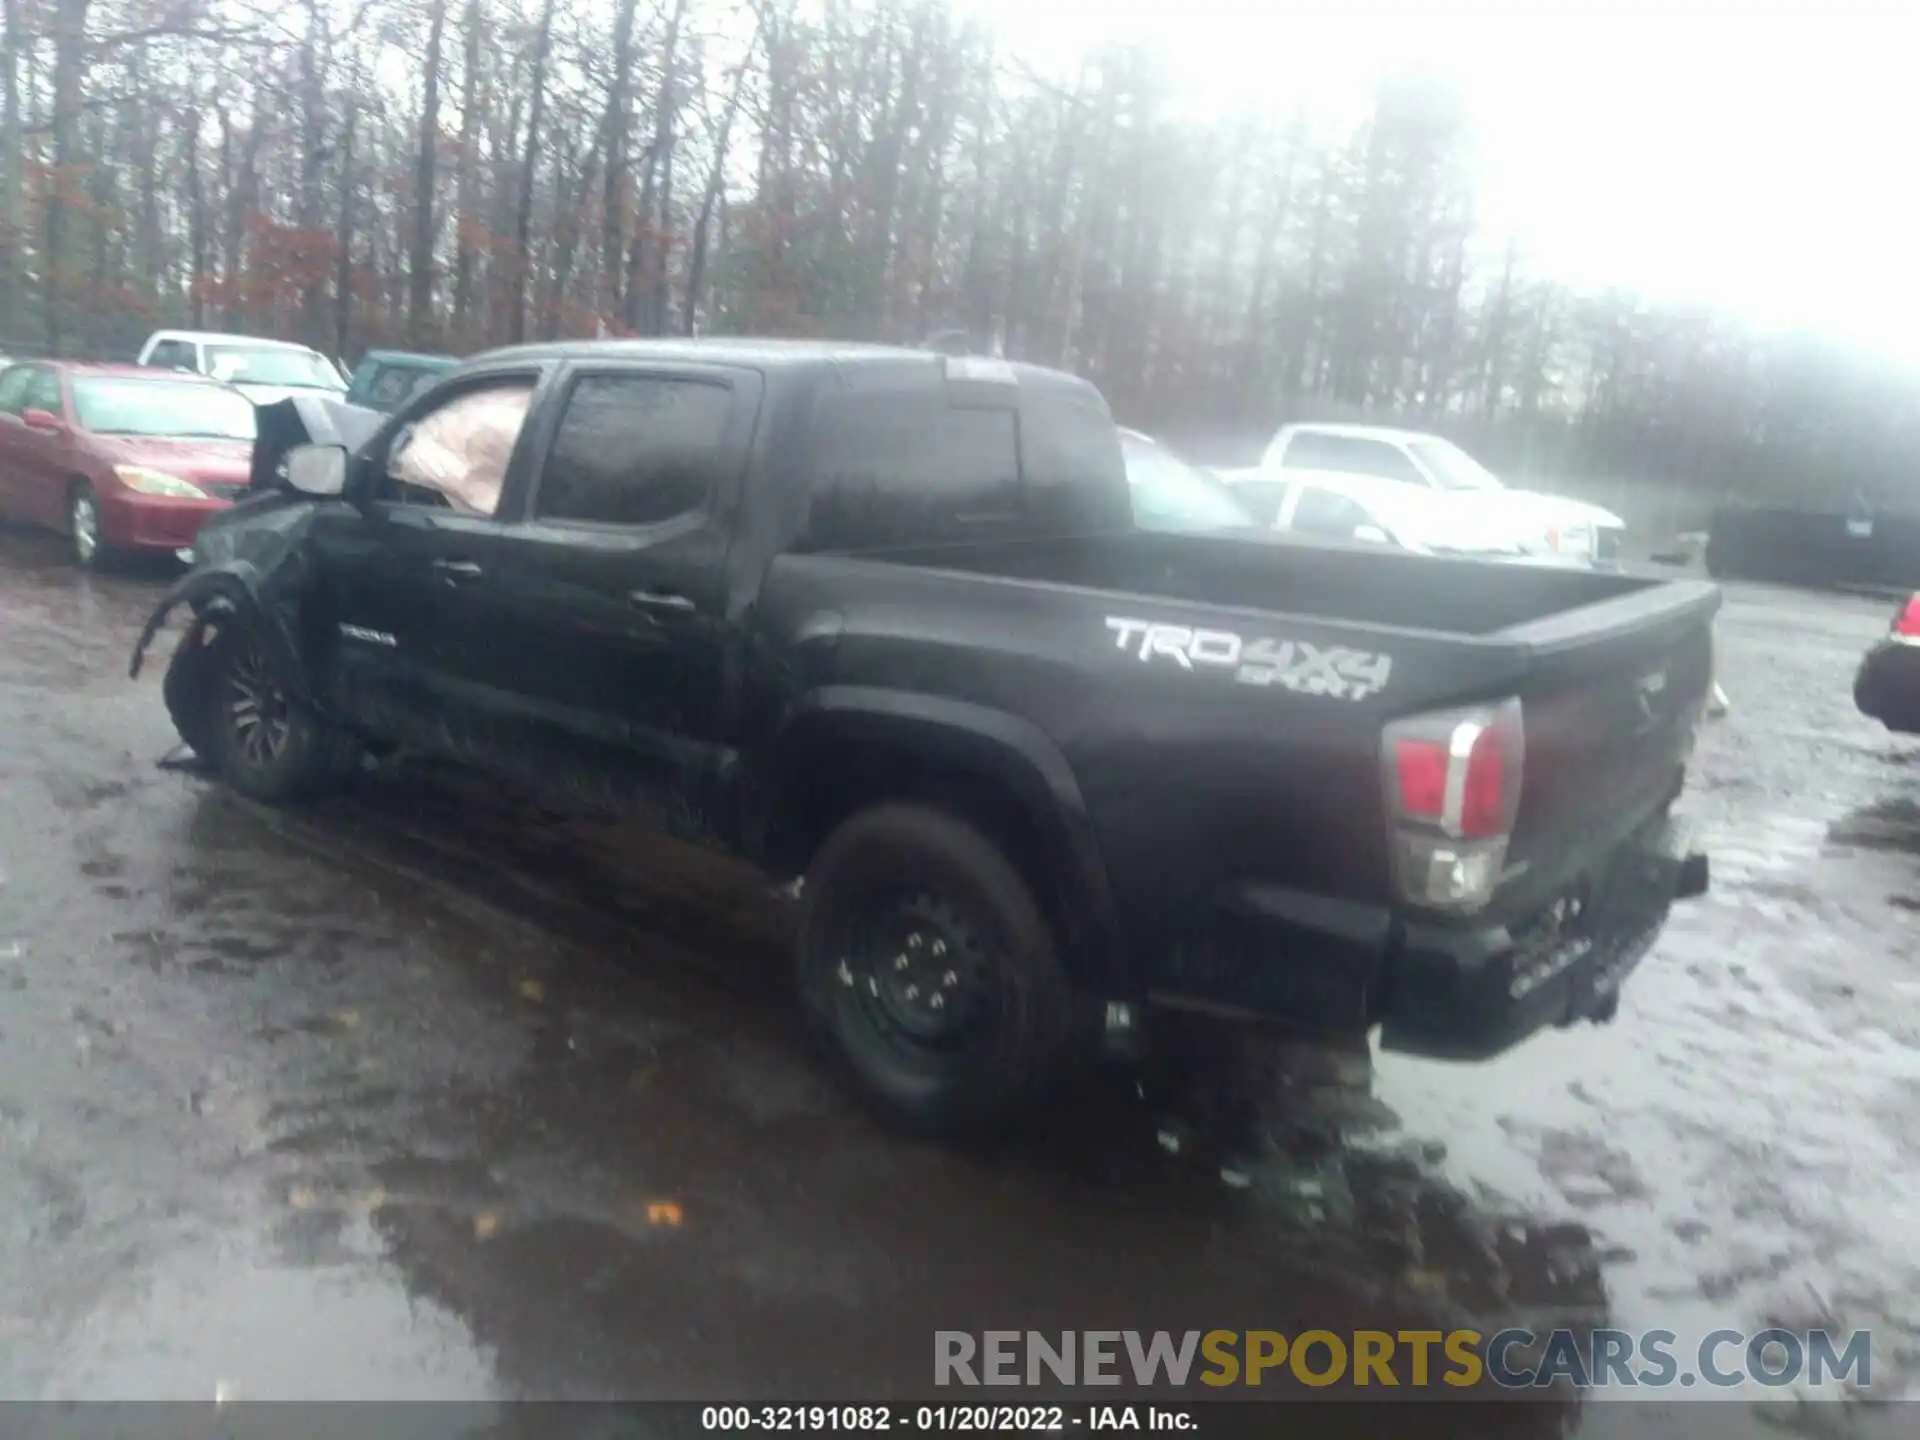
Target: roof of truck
{"x":410,"y":357}
{"x":771,"y":354}
{"x":726,"y":347}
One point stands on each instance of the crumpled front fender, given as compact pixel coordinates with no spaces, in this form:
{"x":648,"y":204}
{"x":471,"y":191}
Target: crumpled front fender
{"x":228,"y":591}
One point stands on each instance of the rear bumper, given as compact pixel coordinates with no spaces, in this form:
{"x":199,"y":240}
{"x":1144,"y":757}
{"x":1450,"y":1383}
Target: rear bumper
{"x":1461,"y":991}
{"x":1886,"y":687}
{"x":154,"y":522}
{"x":1467,"y":994}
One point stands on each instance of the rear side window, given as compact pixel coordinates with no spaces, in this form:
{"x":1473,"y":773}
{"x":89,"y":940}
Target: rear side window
{"x":1350,"y":455}
{"x":634,"y":450}
{"x":895,"y":469}
{"x":1323,"y":514}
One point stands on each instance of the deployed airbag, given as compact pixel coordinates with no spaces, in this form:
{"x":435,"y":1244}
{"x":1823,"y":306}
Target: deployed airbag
{"x":462,"y":448}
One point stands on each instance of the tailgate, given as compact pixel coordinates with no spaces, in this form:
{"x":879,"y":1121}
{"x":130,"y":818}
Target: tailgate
{"x":1613,"y":697}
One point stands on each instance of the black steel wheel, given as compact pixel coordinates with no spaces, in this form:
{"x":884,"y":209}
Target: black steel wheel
{"x":929,"y":969}
{"x":920,"y":971}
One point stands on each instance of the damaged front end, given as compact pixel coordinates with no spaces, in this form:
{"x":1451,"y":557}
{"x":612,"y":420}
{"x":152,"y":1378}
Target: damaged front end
{"x":250,"y":563}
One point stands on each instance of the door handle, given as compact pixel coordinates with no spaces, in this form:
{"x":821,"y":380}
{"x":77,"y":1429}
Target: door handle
{"x":660,"y":604}
{"x":457,"y":572}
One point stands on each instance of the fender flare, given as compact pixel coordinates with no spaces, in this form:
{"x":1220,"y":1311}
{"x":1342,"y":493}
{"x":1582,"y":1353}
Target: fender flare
{"x":228,"y":589}
{"x":992,"y":743}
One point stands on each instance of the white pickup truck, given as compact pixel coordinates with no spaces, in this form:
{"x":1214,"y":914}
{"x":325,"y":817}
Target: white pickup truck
{"x":262,"y":370}
{"x":1547,"y":526}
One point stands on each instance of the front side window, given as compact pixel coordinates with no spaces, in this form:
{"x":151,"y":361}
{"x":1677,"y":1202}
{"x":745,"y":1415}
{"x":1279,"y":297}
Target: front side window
{"x":161,"y":407}
{"x":1349,"y":455}
{"x":635,"y":450}
{"x":457,"y":453}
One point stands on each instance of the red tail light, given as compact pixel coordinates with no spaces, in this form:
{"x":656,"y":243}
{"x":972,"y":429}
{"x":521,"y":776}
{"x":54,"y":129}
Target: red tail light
{"x":1453,"y":793}
{"x":1423,"y":777}
{"x":1907,"y":622}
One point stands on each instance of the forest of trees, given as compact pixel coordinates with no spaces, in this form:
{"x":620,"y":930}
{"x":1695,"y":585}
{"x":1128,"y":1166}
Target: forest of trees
{"x":458,"y":174}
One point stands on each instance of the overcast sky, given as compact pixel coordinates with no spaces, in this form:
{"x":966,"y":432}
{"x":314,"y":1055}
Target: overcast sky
{"x":1763,"y":156}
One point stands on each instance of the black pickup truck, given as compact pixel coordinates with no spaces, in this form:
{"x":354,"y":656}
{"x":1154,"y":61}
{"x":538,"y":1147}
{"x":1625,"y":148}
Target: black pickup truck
{"x":880,"y":621}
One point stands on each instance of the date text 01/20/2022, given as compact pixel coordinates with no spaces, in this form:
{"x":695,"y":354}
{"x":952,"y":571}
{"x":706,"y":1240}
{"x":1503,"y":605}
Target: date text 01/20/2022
{"x":1016,"y":1419}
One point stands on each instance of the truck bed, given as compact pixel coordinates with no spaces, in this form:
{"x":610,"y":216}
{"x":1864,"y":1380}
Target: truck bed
{"x":1358,"y":584}
{"x":1612,"y":672}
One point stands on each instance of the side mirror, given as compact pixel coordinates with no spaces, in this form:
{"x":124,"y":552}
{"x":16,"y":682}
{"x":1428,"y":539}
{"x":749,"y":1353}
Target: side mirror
{"x":1371,"y":535}
{"x":317,"y":470}
{"x":43,"y":420}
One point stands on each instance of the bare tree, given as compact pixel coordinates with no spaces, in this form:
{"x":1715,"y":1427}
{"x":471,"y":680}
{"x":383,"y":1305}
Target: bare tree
{"x":647,"y":241}
{"x":868,"y":168}
{"x":523,"y":223}
{"x":617,"y":125}
{"x":420,"y":265}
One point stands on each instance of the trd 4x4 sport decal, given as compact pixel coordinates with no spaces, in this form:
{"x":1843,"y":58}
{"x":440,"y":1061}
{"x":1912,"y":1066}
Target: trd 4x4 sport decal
{"x":1307,"y":669}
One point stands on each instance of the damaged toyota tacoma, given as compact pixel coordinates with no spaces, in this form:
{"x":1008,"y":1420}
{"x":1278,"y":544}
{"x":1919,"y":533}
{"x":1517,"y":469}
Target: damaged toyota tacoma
{"x":880,"y":622}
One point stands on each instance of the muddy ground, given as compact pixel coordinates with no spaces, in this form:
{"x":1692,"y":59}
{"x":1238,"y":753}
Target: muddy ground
{"x":419,"y":1094}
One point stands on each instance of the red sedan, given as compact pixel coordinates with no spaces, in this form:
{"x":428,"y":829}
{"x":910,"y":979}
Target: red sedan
{"x":118,"y":457}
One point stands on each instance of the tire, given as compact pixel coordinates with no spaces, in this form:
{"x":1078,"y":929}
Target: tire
{"x":86,"y":537}
{"x":904,"y":910}
{"x":265,"y":744}
{"x":188,"y":687}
